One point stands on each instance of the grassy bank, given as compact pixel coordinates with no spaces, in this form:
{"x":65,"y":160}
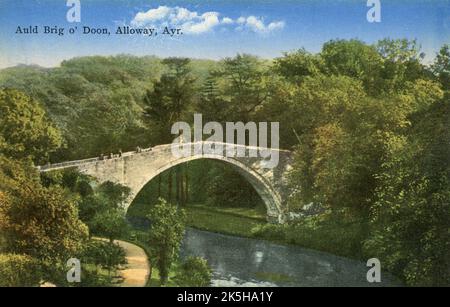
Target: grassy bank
{"x":226,"y":220}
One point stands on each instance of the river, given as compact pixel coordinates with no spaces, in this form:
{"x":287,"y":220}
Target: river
{"x":245,"y":262}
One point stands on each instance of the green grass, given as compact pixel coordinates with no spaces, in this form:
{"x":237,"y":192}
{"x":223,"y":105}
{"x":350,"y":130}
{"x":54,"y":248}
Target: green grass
{"x":237,"y":221}
{"x":226,"y":220}
{"x":258,"y":213}
{"x":335,"y":237}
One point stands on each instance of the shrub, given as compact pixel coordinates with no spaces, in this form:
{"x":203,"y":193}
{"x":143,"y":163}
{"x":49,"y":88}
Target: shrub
{"x":18,"y":271}
{"x":104,"y":254}
{"x":194,"y":272}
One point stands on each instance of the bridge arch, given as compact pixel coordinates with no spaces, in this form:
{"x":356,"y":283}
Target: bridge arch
{"x":263,"y":188}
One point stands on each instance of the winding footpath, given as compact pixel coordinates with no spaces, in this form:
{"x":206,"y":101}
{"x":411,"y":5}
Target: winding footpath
{"x":137,"y":271}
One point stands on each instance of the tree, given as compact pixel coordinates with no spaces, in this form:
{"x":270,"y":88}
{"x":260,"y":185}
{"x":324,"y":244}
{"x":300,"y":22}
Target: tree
{"x":101,"y":208}
{"x":25,"y":130}
{"x":401,"y":62}
{"x":330,"y":129}
{"x":354,"y":59}
{"x":441,"y":67}
{"x":244,"y":84}
{"x":116,"y":194}
{"x":170,"y":97}
{"x":411,"y":211}
{"x":165,"y":236}
{"x":295,"y":66}
{"x":211,"y":104}
{"x":104,"y":254}
{"x":194,"y":272}
{"x":41,"y":223}
{"x":19,"y":271}
{"x":411,"y":214}
{"x":104,"y":210}
{"x":110,"y":223}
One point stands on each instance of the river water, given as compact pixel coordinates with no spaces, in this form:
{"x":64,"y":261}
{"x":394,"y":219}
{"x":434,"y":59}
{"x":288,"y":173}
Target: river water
{"x":245,"y":262}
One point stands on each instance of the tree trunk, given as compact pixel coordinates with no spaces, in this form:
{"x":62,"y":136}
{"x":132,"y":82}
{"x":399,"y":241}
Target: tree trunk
{"x":151,"y":270}
{"x":170,"y":186}
{"x":177,"y":184}
{"x":186,"y":189}
{"x":182,"y":199}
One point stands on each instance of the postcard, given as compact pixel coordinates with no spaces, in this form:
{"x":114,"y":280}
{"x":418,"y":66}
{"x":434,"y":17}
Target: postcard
{"x":248,"y":145}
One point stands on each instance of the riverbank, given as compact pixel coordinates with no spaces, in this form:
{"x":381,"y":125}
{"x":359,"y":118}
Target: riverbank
{"x":225,"y":220}
{"x":337,"y":235}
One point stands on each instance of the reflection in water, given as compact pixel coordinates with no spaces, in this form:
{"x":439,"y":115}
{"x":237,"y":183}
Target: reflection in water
{"x":246,"y":262}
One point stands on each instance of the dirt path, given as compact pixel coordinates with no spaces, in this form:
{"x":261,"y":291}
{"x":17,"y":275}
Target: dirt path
{"x":136,"y":272}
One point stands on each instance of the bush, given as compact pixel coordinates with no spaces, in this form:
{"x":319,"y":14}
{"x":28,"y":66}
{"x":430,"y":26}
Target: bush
{"x":341,"y":238}
{"x":194,"y":272}
{"x":104,"y":254}
{"x":18,"y":271}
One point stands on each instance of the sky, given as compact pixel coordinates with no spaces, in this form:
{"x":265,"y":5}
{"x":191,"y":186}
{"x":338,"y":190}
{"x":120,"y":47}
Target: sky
{"x":213,"y":29}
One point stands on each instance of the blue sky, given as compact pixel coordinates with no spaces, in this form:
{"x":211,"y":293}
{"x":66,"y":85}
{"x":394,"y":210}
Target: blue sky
{"x":216,"y":28}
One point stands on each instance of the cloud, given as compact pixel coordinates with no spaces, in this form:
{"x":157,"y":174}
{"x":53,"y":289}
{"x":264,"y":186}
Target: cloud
{"x":241,"y":20}
{"x":208,"y":21}
{"x":179,"y":17}
{"x":257,"y":25}
{"x":227,"y":21}
{"x":195,"y":23}
{"x":278,"y":25}
{"x":151,"y":16}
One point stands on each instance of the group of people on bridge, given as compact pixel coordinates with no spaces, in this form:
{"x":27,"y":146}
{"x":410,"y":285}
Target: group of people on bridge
{"x":120,"y":154}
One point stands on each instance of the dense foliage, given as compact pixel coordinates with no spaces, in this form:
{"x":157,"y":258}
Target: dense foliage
{"x":25,"y":130}
{"x":18,"y":271}
{"x":194,"y":272}
{"x":165,"y":236}
{"x":40,"y":227}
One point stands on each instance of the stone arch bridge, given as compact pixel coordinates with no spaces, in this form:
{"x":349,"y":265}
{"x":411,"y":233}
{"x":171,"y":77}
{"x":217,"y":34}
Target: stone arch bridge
{"x":136,"y":169}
